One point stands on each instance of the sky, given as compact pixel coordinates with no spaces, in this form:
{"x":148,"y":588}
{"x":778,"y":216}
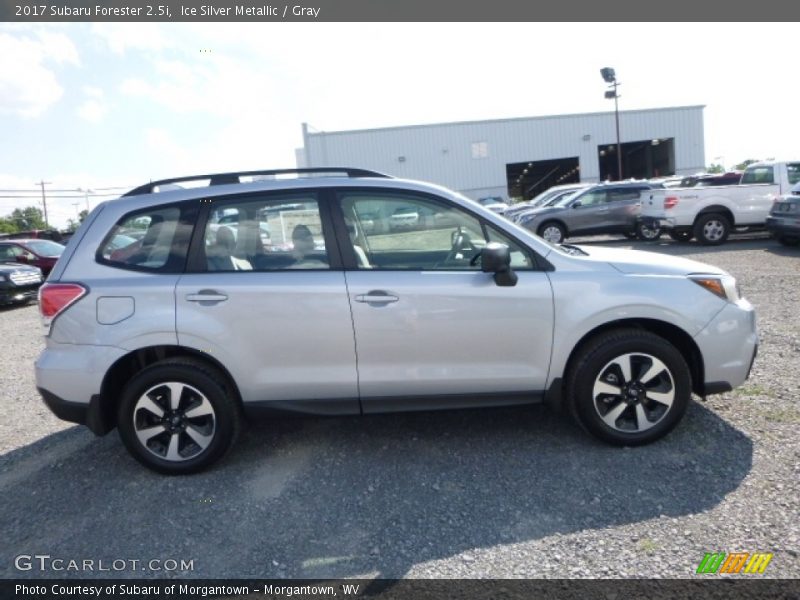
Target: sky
{"x":108,"y":106}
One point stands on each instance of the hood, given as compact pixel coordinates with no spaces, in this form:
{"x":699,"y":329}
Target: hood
{"x":535,"y":212}
{"x":10,"y":267}
{"x":638,"y":262}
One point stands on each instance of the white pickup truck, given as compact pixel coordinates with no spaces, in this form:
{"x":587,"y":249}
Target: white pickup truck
{"x":710,"y":213}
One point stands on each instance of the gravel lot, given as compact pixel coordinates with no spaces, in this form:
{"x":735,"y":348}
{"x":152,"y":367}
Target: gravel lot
{"x":493,"y":493}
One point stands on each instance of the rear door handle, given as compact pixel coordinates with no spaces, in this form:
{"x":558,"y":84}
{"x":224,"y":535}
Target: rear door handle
{"x":206,"y":296}
{"x":376,"y":297}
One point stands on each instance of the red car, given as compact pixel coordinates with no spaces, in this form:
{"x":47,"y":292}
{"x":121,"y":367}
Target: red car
{"x":37,"y":253}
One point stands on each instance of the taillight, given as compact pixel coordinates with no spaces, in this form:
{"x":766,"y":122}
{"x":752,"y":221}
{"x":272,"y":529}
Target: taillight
{"x":670,"y":202}
{"x":54,"y":298}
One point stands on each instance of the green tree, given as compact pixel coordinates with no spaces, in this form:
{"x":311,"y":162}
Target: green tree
{"x":715,"y":168}
{"x":29,"y":217}
{"x":7,"y":225}
{"x":743,"y":165}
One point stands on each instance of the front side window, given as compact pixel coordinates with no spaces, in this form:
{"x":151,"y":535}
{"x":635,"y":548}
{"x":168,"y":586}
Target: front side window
{"x":9,"y":251}
{"x":264,"y":234}
{"x":593,"y":198}
{"x":408,"y":232}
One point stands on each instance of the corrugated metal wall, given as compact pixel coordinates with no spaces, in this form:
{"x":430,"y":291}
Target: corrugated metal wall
{"x":443,"y":153}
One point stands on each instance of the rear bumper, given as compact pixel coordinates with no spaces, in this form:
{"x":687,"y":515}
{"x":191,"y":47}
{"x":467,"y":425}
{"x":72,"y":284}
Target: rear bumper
{"x":92,"y":414}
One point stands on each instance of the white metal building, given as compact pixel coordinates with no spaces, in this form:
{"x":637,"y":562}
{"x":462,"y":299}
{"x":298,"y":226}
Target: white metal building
{"x":523,"y":156}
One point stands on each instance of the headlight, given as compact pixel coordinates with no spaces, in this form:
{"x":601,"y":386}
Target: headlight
{"x":723,"y":286}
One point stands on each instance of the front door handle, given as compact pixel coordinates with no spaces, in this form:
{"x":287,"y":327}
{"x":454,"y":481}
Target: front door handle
{"x":211,"y":296}
{"x":376,"y":297}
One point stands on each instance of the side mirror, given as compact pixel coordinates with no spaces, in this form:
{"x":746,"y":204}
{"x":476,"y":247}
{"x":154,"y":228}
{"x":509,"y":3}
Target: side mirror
{"x":496,"y":258}
{"x":577,"y":204}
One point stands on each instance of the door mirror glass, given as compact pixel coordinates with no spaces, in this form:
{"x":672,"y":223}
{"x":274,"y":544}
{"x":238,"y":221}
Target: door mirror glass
{"x":577,"y":204}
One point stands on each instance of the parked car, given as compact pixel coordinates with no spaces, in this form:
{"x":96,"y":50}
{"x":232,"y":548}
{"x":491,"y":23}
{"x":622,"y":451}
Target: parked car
{"x":404,"y":218}
{"x":604,"y":208}
{"x":173,"y":348}
{"x":36,"y":234}
{"x":39,"y":253}
{"x":547,"y":196}
{"x":710,"y":214}
{"x":553,"y":200}
{"x":783,"y":221}
{"x":494,"y":203}
{"x":18,"y":283}
{"x":719,"y":179}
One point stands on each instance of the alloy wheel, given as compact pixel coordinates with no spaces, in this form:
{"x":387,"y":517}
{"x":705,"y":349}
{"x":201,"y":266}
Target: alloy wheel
{"x":633,"y":392}
{"x":174,"y":421}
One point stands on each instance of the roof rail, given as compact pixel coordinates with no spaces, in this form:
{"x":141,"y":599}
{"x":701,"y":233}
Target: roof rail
{"x":234,"y":177}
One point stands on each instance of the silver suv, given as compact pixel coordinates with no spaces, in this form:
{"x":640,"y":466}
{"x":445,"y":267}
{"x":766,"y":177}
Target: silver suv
{"x":177,"y":336}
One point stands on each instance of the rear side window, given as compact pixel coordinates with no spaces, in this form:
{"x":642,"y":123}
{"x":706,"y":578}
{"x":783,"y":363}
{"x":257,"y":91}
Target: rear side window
{"x":154,"y":239}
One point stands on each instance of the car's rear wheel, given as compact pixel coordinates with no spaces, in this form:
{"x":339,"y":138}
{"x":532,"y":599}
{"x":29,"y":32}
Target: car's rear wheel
{"x":178,"y":417}
{"x":712,"y":229}
{"x":629,"y":387}
{"x":681,"y":235}
{"x":646,"y":232}
{"x":552,"y":232}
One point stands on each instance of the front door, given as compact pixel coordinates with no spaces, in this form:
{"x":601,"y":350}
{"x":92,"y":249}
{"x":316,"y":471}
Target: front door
{"x":428,"y":323}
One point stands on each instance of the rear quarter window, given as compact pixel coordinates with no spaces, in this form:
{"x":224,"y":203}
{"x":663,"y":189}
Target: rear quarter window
{"x":154,"y":239}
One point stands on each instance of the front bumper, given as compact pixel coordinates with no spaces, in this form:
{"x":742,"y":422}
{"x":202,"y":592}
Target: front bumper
{"x":784,"y":226}
{"x":729,"y":344}
{"x":9,"y":295}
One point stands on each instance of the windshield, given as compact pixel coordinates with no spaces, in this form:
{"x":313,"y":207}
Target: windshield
{"x":45,"y":247}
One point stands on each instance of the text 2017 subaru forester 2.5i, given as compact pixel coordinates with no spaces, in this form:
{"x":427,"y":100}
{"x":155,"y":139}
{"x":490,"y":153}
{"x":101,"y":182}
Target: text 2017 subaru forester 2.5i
{"x":176,"y":337}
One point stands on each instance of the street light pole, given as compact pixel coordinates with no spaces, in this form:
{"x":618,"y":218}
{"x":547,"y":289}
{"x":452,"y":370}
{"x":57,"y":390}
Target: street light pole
{"x":610,"y":77}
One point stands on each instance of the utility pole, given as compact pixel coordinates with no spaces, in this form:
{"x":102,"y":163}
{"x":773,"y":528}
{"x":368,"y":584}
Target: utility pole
{"x":44,"y":201}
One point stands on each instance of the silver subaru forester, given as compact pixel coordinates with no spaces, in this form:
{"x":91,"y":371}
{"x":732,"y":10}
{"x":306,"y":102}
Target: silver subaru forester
{"x":190,"y":303}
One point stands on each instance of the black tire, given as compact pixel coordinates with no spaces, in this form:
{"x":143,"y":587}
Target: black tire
{"x":681,"y":236}
{"x":788,"y":240}
{"x":217,"y":429}
{"x":550,"y":230}
{"x":598,"y":365}
{"x":712,"y":229}
{"x":646,"y":233}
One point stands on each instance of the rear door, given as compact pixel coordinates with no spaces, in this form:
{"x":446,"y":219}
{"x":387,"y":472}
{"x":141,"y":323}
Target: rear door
{"x":591,"y":215}
{"x":270,"y":302}
{"x":624,"y":208}
{"x":431,"y":329}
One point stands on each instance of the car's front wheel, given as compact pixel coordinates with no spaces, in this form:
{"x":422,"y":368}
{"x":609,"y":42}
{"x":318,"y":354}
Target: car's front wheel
{"x":629,"y":387}
{"x":178,"y":417}
{"x":788,"y":240}
{"x":552,"y":232}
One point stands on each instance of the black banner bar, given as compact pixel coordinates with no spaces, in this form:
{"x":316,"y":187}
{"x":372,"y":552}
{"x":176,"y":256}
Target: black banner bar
{"x":705,"y":588}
